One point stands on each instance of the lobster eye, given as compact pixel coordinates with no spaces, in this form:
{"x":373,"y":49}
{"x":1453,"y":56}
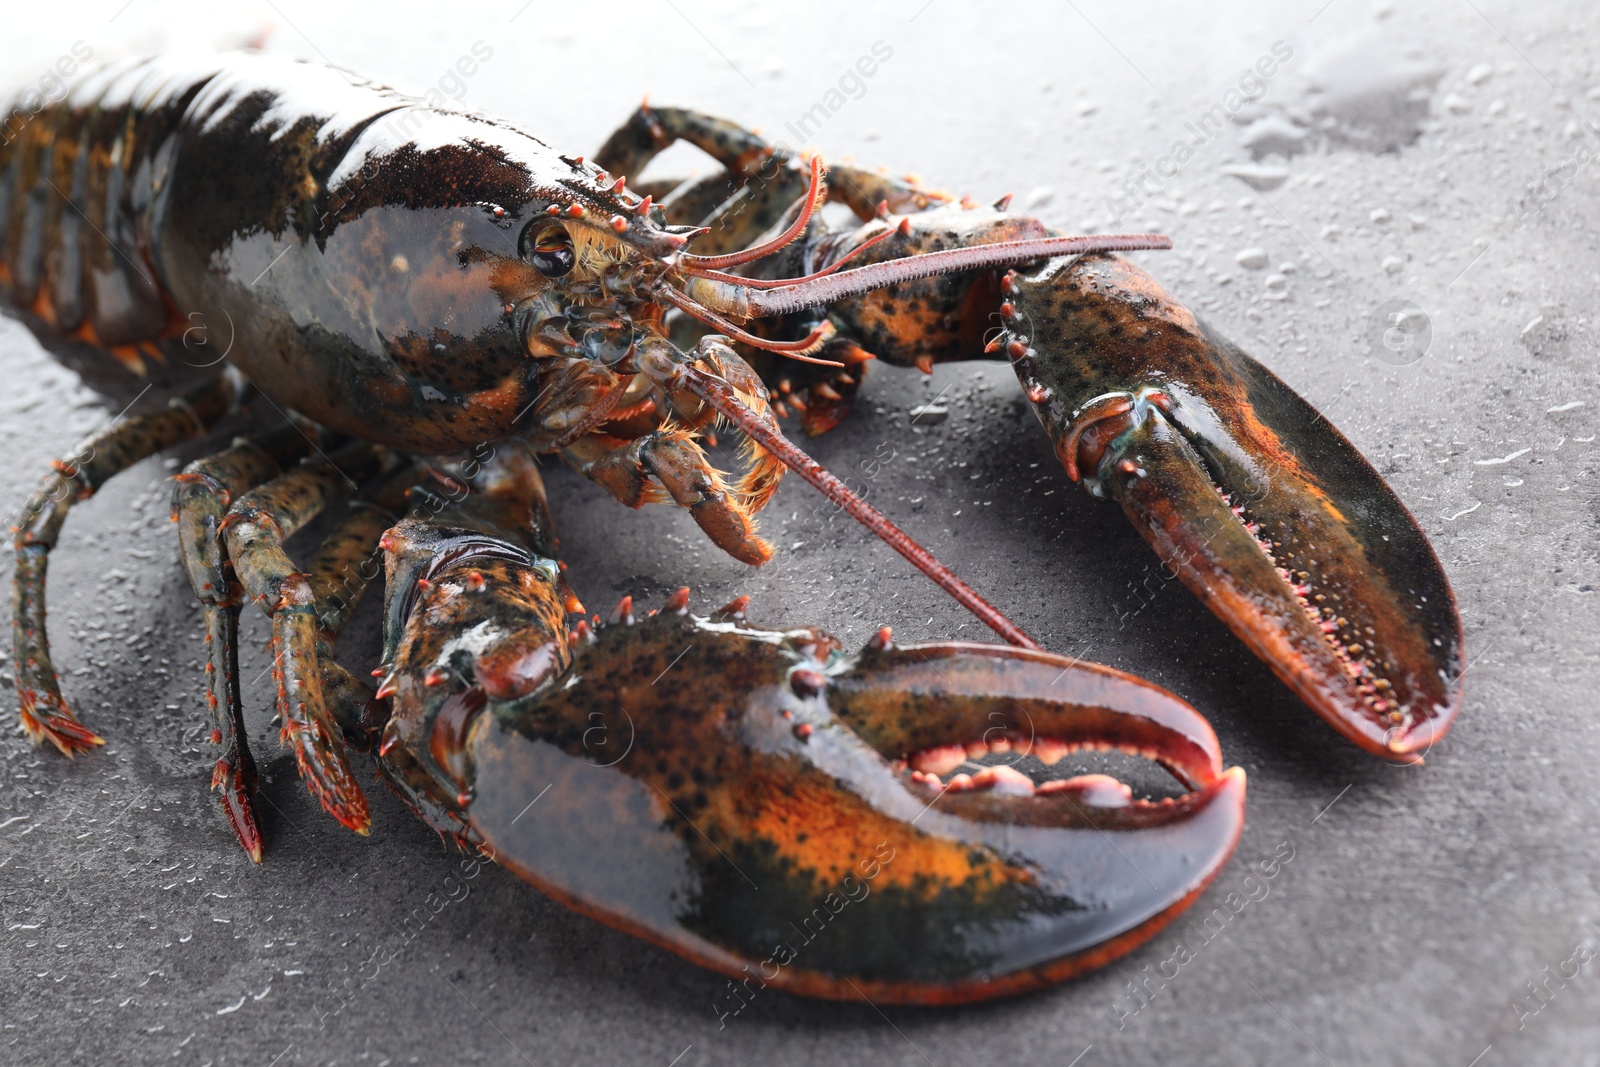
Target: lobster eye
{"x":549,"y":249}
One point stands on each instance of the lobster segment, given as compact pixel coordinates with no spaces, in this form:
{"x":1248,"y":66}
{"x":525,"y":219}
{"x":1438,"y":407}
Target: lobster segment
{"x":745,"y":797}
{"x":1263,"y":509}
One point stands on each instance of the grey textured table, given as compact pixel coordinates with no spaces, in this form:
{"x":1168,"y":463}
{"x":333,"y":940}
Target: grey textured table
{"x":1438,"y":153}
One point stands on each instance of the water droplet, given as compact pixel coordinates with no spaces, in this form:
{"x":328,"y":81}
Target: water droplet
{"x":1252,"y":258}
{"x":1263,"y":177}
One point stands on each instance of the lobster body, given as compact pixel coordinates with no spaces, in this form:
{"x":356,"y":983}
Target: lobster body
{"x":352,"y":249}
{"x":453,"y":297}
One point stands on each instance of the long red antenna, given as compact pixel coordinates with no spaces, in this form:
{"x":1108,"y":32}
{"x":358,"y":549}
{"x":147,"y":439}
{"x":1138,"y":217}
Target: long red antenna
{"x":779,"y":283}
{"x":720,"y":395}
{"x":973,"y":257}
{"x":766,"y":248}
{"x":792,"y":349}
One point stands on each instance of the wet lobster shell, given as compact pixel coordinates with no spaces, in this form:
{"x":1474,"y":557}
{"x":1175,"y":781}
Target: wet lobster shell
{"x":743,"y":797}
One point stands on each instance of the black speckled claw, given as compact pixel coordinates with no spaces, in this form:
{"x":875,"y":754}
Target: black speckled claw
{"x":755,"y":799}
{"x":1264,"y":510}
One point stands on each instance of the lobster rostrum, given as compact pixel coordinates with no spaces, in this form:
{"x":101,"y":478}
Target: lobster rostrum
{"x":440,"y":297}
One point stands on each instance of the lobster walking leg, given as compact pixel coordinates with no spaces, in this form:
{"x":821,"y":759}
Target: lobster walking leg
{"x":651,"y":130}
{"x":255,"y":529}
{"x":751,"y":163}
{"x":754,"y":190}
{"x":673,"y":459}
{"x":339,"y":573}
{"x":44,"y":713}
{"x":341,"y":570}
{"x":201,"y":497}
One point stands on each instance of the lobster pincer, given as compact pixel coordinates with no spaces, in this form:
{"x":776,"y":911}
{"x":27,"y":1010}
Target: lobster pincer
{"x":1250,"y":496}
{"x":766,"y":806}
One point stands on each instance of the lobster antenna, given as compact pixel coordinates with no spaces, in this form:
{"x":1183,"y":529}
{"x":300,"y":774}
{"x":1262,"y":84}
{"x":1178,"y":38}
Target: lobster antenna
{"x":765,"y":248}
{"x":778,"y":283}
{"x":793,"y":349}
{"x":810,"y":293}
{"x":720,"y":395}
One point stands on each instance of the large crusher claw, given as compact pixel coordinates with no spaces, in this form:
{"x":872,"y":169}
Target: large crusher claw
{"x":770,"y":808}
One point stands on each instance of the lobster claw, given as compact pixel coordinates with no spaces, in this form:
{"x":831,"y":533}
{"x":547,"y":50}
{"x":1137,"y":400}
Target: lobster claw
{"x":1249,"y":495}
{"x":752,"y":801}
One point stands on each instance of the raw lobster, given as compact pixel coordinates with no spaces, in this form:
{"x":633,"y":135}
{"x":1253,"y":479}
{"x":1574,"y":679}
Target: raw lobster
{"x":439,"y":297}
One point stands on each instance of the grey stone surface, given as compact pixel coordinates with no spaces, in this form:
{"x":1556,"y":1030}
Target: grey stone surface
{"x":1437,"y":152}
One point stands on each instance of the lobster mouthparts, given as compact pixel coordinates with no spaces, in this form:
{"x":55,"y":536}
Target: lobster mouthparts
{"x":1249,"y":495}
{"x":771,"y":809}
